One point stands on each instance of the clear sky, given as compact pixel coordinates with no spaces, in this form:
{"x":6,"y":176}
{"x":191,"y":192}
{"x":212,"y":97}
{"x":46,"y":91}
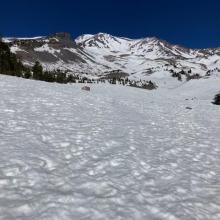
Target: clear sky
{"x":191,"y":23}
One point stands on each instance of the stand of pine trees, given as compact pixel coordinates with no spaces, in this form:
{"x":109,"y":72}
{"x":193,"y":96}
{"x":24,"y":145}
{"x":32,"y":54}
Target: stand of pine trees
{"x":51,"y":76}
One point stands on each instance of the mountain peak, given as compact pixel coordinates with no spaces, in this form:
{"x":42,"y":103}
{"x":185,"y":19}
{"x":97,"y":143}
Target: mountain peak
{"x":101,"y":52}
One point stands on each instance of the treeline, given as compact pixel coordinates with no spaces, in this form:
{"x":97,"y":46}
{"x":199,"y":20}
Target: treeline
{"x":51,"y":76}
{"x":188,"y":75}
{"x":209,"y":72}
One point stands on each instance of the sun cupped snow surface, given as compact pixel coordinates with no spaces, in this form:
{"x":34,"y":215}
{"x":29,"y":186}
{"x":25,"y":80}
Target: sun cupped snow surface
{"x":113,"y":153}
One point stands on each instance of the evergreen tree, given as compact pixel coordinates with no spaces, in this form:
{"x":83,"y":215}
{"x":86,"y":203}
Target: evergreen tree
{"x":217,"y":99}
{"x":37,"y":71}
{"x":49,"y":76}
{"x":61,"y":77}
{"x":27,"y":73}
{"x":71,"y":79}
{"x":9,"y":64}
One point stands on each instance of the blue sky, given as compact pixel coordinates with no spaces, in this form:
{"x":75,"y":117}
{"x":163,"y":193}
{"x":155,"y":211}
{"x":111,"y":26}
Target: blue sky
{"x":189,"y":23}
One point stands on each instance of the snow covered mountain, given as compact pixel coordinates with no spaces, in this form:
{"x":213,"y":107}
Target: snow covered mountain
{"x":101,"y":53}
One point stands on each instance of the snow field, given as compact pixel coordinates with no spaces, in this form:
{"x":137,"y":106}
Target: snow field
{"x":112,"y":153}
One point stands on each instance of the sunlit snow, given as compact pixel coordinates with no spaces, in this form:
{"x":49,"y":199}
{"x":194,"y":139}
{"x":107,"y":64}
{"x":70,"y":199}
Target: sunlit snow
{"x":113,"y":153}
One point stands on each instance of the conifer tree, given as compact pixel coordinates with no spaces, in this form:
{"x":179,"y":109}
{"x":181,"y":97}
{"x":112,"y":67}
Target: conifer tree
{"x":217,"y":99}
{"x":61,"y":77}
{"x":49,"y":76}
{"x":9,"y":64}
{"x":37,"y":71}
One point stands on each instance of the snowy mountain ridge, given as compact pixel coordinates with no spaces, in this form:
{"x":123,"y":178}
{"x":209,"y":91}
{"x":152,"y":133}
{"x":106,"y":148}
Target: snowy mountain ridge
{"x":101,"y":53}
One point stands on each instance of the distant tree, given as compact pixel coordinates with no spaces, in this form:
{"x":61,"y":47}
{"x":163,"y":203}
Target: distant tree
{"x":9,"y":64}
{"x":70,"y":79}
{"x":182,"y":72}
{"x":177,"y":75}
{"x":49,"y":76}
{"x":61,"y":77}
{"x":84,"y":79}
{"x":114,"y":80}
{"x":19,"y":68}
{"x":217,"y":99}
{"x":37,"y":70}
{"x":27,"y":73}
{"x":194,"y":76}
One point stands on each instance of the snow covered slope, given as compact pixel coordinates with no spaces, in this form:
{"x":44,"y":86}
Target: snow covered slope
{"x":97,"y":54}
{"x":113,"y":153}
